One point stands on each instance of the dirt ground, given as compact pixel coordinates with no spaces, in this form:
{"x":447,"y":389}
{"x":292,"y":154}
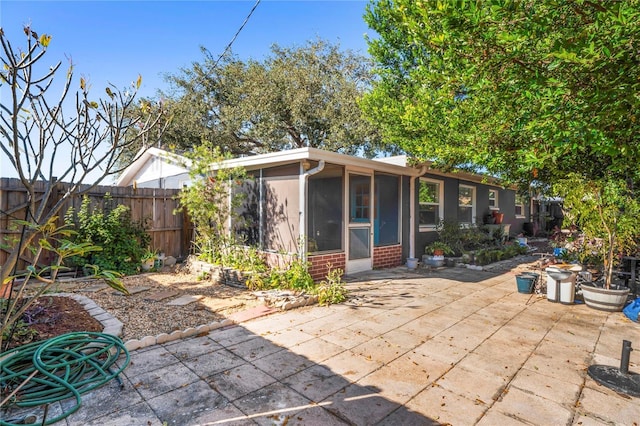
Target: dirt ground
{"x":146,"y":311}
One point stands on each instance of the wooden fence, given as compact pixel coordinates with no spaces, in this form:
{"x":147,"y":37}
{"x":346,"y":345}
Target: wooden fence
{"x":170,"y":233}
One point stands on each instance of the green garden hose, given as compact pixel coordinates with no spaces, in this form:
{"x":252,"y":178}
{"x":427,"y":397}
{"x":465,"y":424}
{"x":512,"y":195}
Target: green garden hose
{"x":62,"y":367}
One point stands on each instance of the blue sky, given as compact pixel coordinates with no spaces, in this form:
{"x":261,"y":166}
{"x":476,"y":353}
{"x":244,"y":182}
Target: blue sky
{"x":114,"y":41}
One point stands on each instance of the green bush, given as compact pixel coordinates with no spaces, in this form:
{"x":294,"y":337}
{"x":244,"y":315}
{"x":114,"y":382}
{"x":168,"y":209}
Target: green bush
{"x":123,"y":241}
{"x":490,"y":255}
{"x":332,"y":290}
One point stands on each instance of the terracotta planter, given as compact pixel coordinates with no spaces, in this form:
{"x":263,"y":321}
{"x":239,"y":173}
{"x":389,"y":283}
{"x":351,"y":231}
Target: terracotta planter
{"x":499,"y":217}
{"x":5,"y":290}
{"x":610,"y":300}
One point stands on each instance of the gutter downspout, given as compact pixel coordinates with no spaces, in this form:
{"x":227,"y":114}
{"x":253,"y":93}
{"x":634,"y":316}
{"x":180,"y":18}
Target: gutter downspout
{"x":304,"y":176}
{"x":412,"y":210}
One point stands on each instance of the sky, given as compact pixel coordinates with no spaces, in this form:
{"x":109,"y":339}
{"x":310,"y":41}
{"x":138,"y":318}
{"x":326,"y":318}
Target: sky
{"x":112,"y":42}
{"x":115,"y":41}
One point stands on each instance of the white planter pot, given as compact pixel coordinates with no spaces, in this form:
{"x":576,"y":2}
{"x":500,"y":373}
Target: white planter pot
{"x":610,"y":300}
{"x":147,"y":264}
{"x":412,"y":263}
{"x":436,"y":261}
{"x":562,"y":291}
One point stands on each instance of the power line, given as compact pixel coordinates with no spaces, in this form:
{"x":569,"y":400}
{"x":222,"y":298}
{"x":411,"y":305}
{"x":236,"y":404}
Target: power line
{"x":226,"y":49}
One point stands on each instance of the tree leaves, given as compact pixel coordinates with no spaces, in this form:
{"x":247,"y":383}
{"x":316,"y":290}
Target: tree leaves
{"x":295,"y":97}
{"x":44,"y":40}
{"x":485,"y":82}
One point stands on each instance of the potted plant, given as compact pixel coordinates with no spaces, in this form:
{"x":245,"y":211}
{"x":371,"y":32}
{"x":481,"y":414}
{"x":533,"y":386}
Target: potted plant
{"x":605,"y":210}
{"x":434,"y":253}
{"x":438,"y":248}
{"x":148,"y":259}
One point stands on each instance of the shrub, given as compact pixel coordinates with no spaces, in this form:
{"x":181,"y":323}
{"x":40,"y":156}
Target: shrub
{"x":332,"y":290}
{"x":123,"y":241}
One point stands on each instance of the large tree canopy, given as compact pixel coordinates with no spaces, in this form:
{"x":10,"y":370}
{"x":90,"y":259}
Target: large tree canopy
{"x":523,"y":90}
{"x":296,"y":97}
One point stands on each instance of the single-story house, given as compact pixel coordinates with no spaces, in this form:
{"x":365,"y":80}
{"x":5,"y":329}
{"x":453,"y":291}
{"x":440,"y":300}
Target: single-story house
{"x":156,"y":168}
{"x":352,"y":213}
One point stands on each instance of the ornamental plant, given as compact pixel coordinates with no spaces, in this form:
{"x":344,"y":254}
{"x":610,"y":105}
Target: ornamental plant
{"x":54,"y":240}
{"x":123,"y":240}
{"x":438,"y":246}
{"x":212,"y":202}
{"x":604,"y":209}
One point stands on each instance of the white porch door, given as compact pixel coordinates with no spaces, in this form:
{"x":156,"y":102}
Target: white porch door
{"x":360,"y":219}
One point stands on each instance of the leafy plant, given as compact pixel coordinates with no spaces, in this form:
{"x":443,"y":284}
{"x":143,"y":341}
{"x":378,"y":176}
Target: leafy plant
{"x":149,"y":254}
{"x":606,"y":210}
{"x":451,"y":234}
{"x":55,"y":240}
{"x":123,"y":241}
{"x":438,"y":246}
{"x":495,"y":254}
{"x":212,"y":202}
{"x":332,"y":289}
{"x":91,"y":137}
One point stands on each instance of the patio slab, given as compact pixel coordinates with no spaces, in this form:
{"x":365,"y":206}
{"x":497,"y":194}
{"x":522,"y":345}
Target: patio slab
{"x":449,"y":346}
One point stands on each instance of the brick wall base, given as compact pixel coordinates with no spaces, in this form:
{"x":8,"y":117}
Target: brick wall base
{"x":387,"y":256}
{"x":383,"y":257}
{"x":320,"y":264}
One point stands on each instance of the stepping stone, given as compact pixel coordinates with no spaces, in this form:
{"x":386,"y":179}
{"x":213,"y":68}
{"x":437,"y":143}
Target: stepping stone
{"x":94,"y":288}
{"x":161,"y":295}
{"x":185,"y":300}
{"x":252,"y":313}
{"x":133,"y":290}
{"x":216,"y":304}
{"x":66,"y":286}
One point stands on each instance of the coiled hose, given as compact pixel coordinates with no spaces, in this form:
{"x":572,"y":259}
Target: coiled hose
{"x":62,"y":367}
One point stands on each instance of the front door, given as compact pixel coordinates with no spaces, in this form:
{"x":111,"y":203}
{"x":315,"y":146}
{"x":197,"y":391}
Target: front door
{"x":359,"y":234}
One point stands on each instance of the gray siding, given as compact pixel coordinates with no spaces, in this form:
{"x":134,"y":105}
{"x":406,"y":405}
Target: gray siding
{"x":506,"y":204}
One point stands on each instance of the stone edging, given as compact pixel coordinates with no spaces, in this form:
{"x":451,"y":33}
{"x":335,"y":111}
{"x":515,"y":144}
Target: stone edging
{"x":114,"y":326}
{"x":110,"y":323}
{"x":161,"y":338}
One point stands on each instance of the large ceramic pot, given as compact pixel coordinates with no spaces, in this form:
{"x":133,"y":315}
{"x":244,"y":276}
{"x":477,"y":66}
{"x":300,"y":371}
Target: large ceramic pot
{"x":561,"y":285}
{"x":603,"y":299}
{"x":435,"y":261}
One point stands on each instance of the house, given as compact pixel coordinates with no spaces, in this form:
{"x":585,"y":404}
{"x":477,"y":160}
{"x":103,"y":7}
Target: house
{"x":352,"y":213}
{"x":156,"y":168}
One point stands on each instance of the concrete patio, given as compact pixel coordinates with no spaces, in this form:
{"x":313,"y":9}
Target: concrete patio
{"x":454,"y":346}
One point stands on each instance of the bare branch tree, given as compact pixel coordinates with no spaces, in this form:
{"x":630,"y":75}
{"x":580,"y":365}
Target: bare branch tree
{"x":46,"y":139}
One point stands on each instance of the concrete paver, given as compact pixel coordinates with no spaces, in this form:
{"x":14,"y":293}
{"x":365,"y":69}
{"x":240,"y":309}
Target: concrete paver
{"x":448,"y":346}
{"x":157,"y":296}
{"x":531,"y":408}
{"x":185,"y":300}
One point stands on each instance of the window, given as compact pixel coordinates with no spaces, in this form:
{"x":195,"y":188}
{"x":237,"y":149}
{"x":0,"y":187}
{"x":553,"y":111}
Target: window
{"x":466,"y":204}
{"x":360,"y":198}
{"x":430,"y":198}
{"x":520,"y":211}
{"x":493,"y":199}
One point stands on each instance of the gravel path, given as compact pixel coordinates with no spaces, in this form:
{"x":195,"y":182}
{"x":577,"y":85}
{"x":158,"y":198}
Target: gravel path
{"x":142,"y":316}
